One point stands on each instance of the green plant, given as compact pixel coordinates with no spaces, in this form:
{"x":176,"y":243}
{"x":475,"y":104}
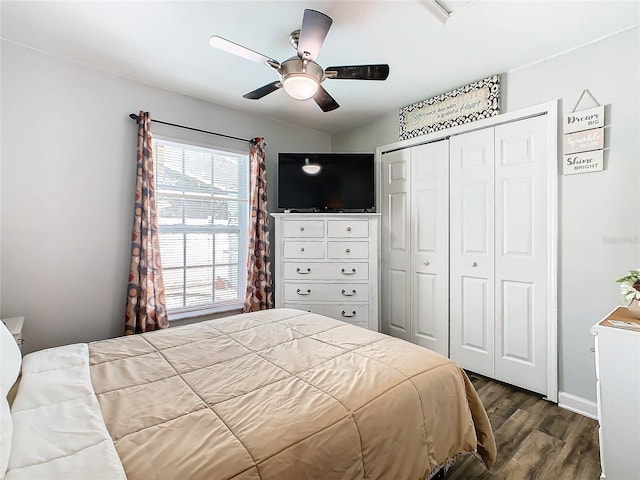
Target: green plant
{"x":630,"y":285}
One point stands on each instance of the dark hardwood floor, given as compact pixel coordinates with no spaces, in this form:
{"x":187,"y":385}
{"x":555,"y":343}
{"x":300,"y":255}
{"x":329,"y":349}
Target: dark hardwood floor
{"x":536,"y":439}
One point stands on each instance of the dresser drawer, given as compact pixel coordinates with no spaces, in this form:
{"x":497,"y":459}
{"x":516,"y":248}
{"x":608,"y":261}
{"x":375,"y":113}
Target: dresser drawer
{"x":326,"y":292}
{"x":355,"y":314}
{"x":348,"y":228}
{"x":303,"y":228}
{"x":347,"y":249}
{"x":293,"y":249}
{"x":326,"y":271}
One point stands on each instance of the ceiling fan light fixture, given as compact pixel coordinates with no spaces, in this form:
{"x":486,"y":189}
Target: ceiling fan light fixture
{"x":301,"y":78}
{"x":300,"y":85}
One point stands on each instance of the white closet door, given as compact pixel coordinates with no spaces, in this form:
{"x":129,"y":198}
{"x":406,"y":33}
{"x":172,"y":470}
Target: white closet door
{"x":521,"y":253}
{"x":395,"y":170}
{"x":430,"y":246}
{"x":471,"y":251}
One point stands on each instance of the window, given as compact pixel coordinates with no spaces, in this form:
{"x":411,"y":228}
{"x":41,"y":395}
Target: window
{"x":202,"y":198}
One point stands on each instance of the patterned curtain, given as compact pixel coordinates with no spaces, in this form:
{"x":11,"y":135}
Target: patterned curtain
{"x":146,"y":308}
{"x":259,"y":288}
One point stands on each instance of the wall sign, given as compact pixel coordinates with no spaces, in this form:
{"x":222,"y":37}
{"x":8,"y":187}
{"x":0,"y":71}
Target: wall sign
{"x":583,"y":162}
{"x":466,"y":104}
{"x":584,"y":119}
{"x":583,"y":139}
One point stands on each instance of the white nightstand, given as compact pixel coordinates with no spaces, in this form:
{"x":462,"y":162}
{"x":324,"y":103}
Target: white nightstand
{"x":618,"y":393}
{"x":14,"y":325}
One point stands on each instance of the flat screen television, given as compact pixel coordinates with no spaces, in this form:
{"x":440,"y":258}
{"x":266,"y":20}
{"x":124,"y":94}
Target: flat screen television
{"x":326,"y":181}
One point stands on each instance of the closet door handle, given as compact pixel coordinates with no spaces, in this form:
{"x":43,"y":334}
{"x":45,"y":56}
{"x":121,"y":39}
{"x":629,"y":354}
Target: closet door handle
{"x":302,"y":272}
{"x":344,"y":292}
{"x":352,"y":272}
{"x":300,"y":292}
{"x":346,"y":315}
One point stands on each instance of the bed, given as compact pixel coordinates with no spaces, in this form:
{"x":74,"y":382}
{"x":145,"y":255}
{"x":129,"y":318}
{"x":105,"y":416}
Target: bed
{"x":278,"y":394}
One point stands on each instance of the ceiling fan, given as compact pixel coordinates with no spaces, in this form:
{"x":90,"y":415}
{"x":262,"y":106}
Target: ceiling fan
{"x":300,"y":76}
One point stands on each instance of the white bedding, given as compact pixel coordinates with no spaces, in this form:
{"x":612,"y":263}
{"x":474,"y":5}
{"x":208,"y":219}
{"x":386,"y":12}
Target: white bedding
{"x":58,"y":429}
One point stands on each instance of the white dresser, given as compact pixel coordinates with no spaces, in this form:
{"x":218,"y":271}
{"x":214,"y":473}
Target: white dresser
{"x":618,"y":389}
{"x":328,"y":264}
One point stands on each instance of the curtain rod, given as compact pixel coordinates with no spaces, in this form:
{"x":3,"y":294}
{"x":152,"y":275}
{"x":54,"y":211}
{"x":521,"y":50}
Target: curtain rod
{"x":133,"y":116}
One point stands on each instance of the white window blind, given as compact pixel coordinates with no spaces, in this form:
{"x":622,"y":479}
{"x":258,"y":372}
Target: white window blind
{"x":202,"y":202}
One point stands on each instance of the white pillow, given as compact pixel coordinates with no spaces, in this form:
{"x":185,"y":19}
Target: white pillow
{"x":6,"y":433}
{"x":10,"y":360}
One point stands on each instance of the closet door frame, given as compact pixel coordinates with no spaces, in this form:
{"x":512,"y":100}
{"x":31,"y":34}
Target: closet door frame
{"x":550,"y":109}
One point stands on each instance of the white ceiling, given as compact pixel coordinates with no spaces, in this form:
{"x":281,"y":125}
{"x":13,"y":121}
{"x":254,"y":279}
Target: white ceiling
{"x":166,"y":44}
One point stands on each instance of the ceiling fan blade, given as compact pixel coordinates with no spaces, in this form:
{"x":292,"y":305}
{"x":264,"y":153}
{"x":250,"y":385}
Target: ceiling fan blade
{"x":324,"y":100}
{"x":231,"y":47}
{"x":359,"y":72}
{"x":315,"y":26}
{"x":258,"y":93}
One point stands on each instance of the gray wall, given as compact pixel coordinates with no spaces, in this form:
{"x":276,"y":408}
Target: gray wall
{"x":68,"y":158}
{"x":599,"y":218}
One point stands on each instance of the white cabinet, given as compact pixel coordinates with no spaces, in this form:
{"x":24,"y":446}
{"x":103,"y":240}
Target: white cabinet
{"x":466,"y":240}
{"x":618,"y":390}
{"x":328,"y":264}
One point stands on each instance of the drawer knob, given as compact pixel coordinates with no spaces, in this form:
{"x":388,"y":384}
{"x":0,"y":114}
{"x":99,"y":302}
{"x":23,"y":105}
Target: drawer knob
{"x":348,"y":229}
{"x":302,"y":249}
{"x":352,"y":272}
{"x":347,"y":294}
{"x":474,"y":264}
{"x":347,"y":315}
{"x":348,"y":250}
{"x":302,"y":229}
{"x":426,"y":264}
{"x":301,"y":272}
{"x":300,"y":292}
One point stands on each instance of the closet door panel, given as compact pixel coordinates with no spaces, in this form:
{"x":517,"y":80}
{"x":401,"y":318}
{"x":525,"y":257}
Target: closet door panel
{"x":475,"y":209}
{"x":398,"y":305}
{"x":430,"y":246}
{"x":471,"y":251}
{"x":396,"y":278}
{"x":522,"y":253}
{"x":517,"y":332}
{"x":424,"y":314}
{"x":475,"y":310}
{"x":515,"y":209}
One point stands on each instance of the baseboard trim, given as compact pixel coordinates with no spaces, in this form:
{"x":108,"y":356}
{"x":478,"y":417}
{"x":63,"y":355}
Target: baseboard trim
{"x":577,"y":404}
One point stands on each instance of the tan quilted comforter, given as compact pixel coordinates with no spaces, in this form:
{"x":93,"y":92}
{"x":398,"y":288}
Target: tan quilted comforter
{"x":283,"y":394}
